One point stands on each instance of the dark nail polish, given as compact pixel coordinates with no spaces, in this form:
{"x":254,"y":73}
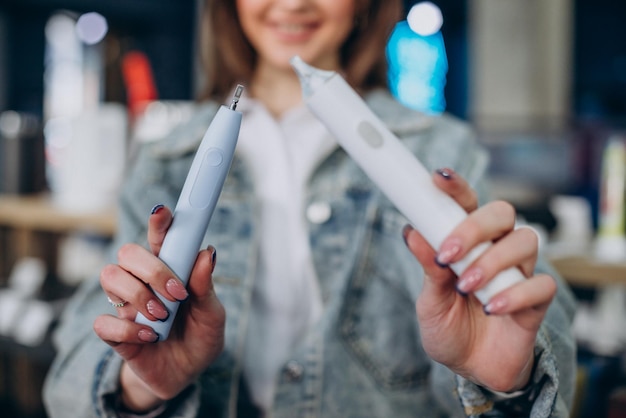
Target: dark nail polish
{"x":405,"y":233}
{"x":440,"y":264}
{"x":156,"y":208}
{"x":214,"y":257}
{"x":464,"y":294}
{"x":445,"y":173}
{"x":486,"y":311}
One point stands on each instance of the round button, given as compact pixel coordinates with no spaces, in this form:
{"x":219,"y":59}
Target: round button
{"x":370,"y":134}
{"x":293,"y":371}
{"x":214,"y":157}
{"x":319,"y":212}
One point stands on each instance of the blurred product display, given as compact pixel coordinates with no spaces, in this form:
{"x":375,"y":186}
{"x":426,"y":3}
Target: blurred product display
{"x":610,"y":243}
{"x":87,"y":157}
{"x":22,"y":316}
{"x":65,"y":137}
{"x":21,"y":153}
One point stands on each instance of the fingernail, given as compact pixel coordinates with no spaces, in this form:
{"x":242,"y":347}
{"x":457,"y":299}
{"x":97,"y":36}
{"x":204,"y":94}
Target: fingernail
{"x":156,"y":208}
{"x":405,"y":233}
{"x":148,"y":336}
{"x":446,"y":173}
{"x":449,"y":250}
{"x":495,"y":306}
{"x":440,"y":264}
{"x":176,"y":288}
{"x":214,"y":257}
{"x":157,"y":310}
{"x":468,"y":280}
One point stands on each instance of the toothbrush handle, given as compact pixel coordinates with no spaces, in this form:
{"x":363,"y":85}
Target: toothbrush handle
{"x":195,"y":206}
{"x":396,"y":171}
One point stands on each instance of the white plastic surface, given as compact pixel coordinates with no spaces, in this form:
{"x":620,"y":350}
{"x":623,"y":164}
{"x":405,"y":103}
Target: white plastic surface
{"x":401,"y":177}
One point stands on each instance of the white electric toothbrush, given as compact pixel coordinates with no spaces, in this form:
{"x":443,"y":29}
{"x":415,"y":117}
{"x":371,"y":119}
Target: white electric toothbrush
{"x":197,"y":202}
{"x":389,"y":164}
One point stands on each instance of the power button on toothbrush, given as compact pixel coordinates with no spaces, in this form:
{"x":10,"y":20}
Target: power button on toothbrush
{"x":214,"y":157}
{"x":207,"y":178}
{"x":370,"y":134}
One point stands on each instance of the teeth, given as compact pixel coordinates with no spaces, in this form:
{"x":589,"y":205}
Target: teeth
{"x":292,"y":28}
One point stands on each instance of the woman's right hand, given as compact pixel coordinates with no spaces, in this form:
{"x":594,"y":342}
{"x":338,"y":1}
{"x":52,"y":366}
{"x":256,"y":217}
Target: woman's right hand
{"x":157,"y":371}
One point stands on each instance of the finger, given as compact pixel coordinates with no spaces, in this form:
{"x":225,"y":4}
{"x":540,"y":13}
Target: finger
{"x":488,"y":223}
{"x":115,"y":331}
{"x":138,"y":297}
{"x":438,"y":292}
{"x":517,"y":249}
{"x":528,"y":300}
{"x":442,"y":280}
{"x":116,"y":301}
{"x":456,"y":186}
{"x":151,"y":270}
{"x":158,"y":224}
{"x":123,"y":308}
{"x":532,"y":239}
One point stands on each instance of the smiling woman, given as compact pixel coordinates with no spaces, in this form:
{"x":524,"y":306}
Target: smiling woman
{"x":348,"y":314}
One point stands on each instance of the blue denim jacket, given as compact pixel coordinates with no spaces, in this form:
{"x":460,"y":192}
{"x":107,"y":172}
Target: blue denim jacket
{"x":364,"y":357}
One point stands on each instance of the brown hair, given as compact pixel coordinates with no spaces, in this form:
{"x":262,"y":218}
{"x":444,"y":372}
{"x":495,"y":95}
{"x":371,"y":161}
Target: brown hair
{"x":229,"y":58}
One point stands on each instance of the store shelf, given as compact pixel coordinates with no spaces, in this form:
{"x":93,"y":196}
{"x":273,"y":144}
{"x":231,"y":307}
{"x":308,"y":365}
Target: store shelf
{"x":38,"y":213}
{"x":585,"y":271}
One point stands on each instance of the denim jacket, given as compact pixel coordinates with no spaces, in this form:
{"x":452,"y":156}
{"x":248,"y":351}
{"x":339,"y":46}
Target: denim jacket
{"x":364,"y":357}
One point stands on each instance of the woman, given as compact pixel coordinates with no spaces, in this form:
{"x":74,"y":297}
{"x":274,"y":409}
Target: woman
{"x":311,"y":308}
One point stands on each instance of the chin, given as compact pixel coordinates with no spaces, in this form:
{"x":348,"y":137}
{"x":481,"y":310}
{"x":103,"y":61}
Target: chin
{"x":283,"y":61}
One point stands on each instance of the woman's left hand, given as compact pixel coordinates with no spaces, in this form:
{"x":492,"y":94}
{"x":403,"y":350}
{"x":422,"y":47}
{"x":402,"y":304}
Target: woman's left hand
{"x":491,"y":345}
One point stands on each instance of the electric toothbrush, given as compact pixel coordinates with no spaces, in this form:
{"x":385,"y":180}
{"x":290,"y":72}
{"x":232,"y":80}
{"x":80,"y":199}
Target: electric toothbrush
{"x":391,"y":166}
{"x":197,"y":202}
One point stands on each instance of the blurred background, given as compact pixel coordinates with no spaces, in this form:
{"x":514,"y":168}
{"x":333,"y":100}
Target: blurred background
{"x":542,"y":82}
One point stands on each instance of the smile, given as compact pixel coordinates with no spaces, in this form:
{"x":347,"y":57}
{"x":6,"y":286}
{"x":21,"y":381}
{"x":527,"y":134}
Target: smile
{"x":294,"y":31}
{"x":293,"y":28}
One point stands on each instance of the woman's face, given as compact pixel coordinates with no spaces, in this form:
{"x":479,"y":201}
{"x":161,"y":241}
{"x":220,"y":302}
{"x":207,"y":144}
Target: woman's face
{"x":313,"y":29}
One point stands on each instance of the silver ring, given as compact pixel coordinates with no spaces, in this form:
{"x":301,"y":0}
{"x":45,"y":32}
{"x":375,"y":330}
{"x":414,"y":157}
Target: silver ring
{"x":119,"y":304}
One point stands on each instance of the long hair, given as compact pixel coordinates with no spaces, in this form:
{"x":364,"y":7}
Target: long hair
{"x":229,"y":58}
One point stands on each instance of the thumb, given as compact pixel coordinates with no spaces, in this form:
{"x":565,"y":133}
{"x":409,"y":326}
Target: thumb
{"x":201,"y":279}
{"x":205,"y":308}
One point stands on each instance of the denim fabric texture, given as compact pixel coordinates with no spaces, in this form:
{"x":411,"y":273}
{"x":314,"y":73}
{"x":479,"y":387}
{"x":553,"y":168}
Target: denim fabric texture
{"x":364,"y":357}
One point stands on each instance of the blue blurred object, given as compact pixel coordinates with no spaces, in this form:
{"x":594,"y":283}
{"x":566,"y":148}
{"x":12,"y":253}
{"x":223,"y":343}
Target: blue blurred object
{"x":600,"y":376}
{"x":417,"y":69}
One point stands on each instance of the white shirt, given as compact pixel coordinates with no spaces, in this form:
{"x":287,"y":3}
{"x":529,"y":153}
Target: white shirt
{"x":286,"y":300}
